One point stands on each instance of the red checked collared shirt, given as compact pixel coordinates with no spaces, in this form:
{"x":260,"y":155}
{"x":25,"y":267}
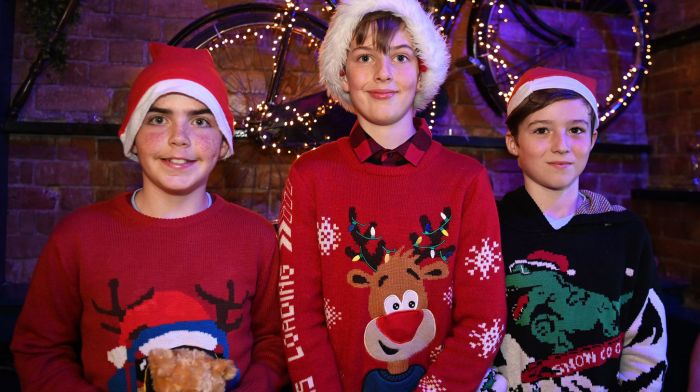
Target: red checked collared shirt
{"x":411,"y":151}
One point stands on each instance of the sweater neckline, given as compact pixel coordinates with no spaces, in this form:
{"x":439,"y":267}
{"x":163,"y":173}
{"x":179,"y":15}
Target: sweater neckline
{"x":125,"y":208}
{"x":379,"y":170}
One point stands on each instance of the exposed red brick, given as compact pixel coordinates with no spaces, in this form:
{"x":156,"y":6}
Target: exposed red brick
{"x":100,"y":6}
{"x":73,"y":74}
{"x":129,"y":6}
{"x":24,"y":246}
{"x":127,"y":51}
{"x":113,"y":75}
{"x":125,"y":27}
{"x":176,"y":9}
{"x":126,"y":174}
{"x":110,"y":150}
{"x":26,"y":222}
{"x":100,"y":173}
{"x":61,"y":173}
{"x":73,"y":198}
{"x":31,"y":147}
{"x":86,"y":49}
{"x":71,"y":98}
{"x":45,"y":221}
{"x":35,"y":198}
{"x":76,"y":148}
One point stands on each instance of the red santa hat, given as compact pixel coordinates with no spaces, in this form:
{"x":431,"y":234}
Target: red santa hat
{"x":177,"y":70}
{"x":429,"y":45}
{"x":547,"y":260}
{"x":541,"y":78}
{"x":165,"y":307}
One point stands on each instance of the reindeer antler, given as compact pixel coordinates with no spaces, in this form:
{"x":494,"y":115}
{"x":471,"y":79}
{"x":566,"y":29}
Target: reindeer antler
{"x":117,"y":311}
{"x":362,"y":239}
{"x":435,"y":236}
{"x":224,"y":305}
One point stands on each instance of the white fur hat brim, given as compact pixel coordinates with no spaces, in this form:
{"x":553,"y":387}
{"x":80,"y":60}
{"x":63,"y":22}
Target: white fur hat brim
{"x":430,"y":46}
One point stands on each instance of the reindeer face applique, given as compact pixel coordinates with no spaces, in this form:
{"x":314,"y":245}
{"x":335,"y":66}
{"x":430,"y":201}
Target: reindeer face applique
{"x":402,"y":324}
{"x":165,"y":320}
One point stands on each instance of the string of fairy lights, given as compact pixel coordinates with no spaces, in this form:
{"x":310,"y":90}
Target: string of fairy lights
{"x":619,"y":96}
{"x":268,"y":119}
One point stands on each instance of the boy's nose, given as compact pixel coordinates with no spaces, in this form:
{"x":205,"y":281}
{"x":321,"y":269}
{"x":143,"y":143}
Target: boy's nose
{"x":560,"y":142}
{"x":384,"y":69}
{"x":179,"y":134}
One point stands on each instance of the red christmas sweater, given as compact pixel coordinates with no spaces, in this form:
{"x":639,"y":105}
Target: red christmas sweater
{"x":391,"y":278}
{"x":111,"y":284}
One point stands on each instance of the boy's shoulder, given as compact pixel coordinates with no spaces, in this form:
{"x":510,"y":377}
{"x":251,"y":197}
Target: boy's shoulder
{"x":457,"y":162}
{"x":243,"y":216}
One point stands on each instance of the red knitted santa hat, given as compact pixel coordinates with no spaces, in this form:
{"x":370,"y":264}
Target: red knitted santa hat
{"x":177,"y":70}
{"x":541,"y":78}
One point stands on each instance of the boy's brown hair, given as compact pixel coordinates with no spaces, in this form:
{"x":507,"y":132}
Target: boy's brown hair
{"x":383,"y":24}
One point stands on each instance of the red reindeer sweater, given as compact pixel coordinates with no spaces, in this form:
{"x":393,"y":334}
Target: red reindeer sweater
{"x":111,"y":284}
{"x":391,"y":277}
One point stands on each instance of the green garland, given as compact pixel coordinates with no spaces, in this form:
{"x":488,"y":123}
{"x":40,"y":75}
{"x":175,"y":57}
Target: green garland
{"x":43,"y":17}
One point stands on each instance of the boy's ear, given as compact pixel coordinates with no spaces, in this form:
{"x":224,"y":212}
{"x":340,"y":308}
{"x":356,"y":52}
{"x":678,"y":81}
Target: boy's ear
{"x":224,"y":149}
{"x":344,"y":81}
{"x":511,"y":144}
{"x":594,"y":138}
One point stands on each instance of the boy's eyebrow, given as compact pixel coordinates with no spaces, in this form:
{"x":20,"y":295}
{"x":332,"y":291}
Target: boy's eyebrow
{"x":198,"y":112}
{"x":365,"y":47}
{"x":549,"y":122}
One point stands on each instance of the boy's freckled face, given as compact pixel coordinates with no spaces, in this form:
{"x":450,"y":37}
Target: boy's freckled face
{"x":178,"y":144}
{"x":382,"y":86}
{"x":553,"y":144}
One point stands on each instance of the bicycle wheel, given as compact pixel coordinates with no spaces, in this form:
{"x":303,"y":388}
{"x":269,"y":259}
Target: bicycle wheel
{"x":606,"y":40}
{"x":266,"y":55}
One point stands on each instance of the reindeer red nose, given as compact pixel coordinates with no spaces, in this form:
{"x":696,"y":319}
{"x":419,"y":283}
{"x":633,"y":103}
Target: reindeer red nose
{"x":400,"y":327}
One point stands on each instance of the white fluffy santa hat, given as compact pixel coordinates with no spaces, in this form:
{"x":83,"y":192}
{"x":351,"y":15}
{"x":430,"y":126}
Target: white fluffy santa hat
{"x":429,"y":45}
{"x":177,"y":70}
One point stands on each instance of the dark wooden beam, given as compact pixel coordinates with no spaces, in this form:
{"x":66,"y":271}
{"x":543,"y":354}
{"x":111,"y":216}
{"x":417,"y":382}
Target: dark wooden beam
{"x":7,"y":30}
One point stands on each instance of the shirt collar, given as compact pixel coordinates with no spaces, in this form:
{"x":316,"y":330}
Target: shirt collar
{"x":412,"y":150}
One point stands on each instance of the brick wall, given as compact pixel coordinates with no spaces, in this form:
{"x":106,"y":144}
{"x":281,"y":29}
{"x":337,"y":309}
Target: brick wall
{"x":50,"y":176}
{"x":672,"y":106}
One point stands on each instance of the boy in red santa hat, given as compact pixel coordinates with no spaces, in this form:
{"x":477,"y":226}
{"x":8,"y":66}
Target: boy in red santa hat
{"x":166,"y":266}
{"x":392,"y":278}
{"x":584,"y":311}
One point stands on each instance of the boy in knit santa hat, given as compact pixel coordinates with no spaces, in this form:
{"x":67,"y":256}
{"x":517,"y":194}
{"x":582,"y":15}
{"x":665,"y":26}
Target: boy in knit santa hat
{"x":391,"y":277}
{"x":166,"y":266}
{"x":584,"y":311}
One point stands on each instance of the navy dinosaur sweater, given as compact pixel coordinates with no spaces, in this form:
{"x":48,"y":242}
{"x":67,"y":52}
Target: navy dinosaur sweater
{"x":583,"y":311}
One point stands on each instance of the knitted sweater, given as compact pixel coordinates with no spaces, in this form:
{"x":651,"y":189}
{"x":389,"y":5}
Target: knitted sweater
{"x":111,"y":284}
{"x":584,"y":314}
{"x":391,"y":277}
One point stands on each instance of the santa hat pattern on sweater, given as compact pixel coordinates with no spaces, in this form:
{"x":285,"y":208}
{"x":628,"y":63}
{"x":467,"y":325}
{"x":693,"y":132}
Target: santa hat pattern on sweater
{"x":177,"y":70}
{"x":172,"y":315}
{"x":541,"y":78}
{"x":547,"y":260}
{"x":429,"y":44}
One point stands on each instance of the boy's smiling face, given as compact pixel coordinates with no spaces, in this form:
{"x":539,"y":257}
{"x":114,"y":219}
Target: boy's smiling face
{"x":178,"y":145}
{"x":382,"y":86}
{"x":553,"y":145}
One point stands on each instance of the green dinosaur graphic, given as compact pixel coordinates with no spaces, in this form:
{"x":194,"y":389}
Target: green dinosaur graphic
{"x":555,"y":309}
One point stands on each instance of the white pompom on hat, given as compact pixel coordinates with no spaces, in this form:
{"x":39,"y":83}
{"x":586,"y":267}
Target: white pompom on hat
{"x":430,"y":46}
{"x":541,"y":78}
{"x":177,"y":70}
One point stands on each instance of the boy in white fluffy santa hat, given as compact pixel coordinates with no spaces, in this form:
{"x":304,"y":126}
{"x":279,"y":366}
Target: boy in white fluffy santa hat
{"x":166,"y":266}
{"x":392,"y":277}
